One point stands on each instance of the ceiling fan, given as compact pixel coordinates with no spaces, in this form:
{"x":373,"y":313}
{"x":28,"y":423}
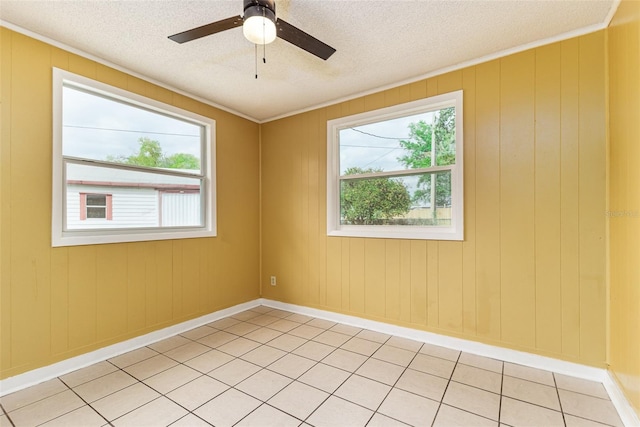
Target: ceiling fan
{"x":260,"y":26}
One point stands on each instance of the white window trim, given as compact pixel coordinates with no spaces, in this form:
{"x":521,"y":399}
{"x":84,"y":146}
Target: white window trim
{"x":60,"y":237}
{"x":453,"y":232}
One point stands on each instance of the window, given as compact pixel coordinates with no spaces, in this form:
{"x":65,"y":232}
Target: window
{"x":397,"y":172}
{"x":96,"y":206}
{"x":127,"y":168}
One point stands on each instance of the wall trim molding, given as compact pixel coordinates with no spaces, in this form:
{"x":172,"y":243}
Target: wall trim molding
{"x":36,"y":376}
{"x":622,"y":405}
{"x":99,"y":60}
{"x":468,"y":346}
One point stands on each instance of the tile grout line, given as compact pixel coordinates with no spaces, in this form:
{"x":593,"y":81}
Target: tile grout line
{"x":6,"y":414}
{"x":446,"y":388}
{"x":81,"y":398}
{"x":351,"y":374}
{"x":564,"y":420}
{"x":305,"y":340}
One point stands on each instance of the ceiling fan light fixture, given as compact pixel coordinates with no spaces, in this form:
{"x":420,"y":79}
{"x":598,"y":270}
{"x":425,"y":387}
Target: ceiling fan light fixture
{"x":259,"y":25}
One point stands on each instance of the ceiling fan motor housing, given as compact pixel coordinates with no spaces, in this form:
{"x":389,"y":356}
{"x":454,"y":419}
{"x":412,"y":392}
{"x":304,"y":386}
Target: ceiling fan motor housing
{"x":266,"y":8}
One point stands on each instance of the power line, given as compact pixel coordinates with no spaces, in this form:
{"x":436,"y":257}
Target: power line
{"x":376,"y":136}
{"x":369,"y":146}
{"x":131,"y":131}
{"x":380,"y":157}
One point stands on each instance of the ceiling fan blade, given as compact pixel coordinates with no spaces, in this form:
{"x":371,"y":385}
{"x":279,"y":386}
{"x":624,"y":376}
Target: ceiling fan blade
{"x":303,"y":40}
{"x":206,"y":30}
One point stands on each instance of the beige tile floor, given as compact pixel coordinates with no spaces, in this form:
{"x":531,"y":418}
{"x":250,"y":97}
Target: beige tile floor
{"x":266,"y":367}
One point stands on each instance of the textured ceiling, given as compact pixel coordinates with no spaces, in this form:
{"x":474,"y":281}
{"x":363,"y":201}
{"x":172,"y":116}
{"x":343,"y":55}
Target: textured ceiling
{"x":378,"y":43}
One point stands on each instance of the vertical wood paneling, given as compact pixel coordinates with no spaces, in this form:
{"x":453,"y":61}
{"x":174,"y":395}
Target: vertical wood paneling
{"x":592,"y":181}
{"x":111,"y":291}
{"x":136,"y":286}
{"x":534,"y":154}
{"x":313,"y":271}
{"x":391,"y":97}
{"x":334,"y":273}
{"x":75,"y":299}
{"x":6,"y":65}
{"x":151,"y":285}
{"x":488,"y":200}
{"x":433,"y":300}
{"x":374,"y":277}
{"x":517,"y":198}
{"x":569,"y":218}
{"x":30,"y":257}
{"x":164,"y":275}
{"x":450,"y":82}
{"x":392,"y":279}
{"x":321,"y":150}
{"x":624,"y":221}
{"x":344,"y":267}
{"x":356,"y":275}
{"x":59,"y":300}
{"x":190,"y":277}
{"x":303,"y":206}
{"x":406,"y":288}
{"x":450,"y":286}
{"x":418,"y":280}
{"x":418,"y":90}
{"x":507,"y":282}
{"x":177,"y":310}
{"x":547,"y":198}
{"x":469,"y":244}
{"x":207,"y":276}
{"x":82,"y":296}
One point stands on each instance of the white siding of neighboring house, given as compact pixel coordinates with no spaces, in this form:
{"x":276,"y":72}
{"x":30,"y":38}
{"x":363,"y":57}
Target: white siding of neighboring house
{"x":132,"y":207}
{"x":180,"y":209}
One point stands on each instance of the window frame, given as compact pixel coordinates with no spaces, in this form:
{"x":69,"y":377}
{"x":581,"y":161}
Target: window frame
{"x":63,"y":237}
{"x":425,"y":105}
{"x":85,"y":206}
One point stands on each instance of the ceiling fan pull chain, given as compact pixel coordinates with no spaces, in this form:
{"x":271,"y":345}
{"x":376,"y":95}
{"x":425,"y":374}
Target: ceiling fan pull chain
{"x":255,"y":56}
{"x":264,"y":37}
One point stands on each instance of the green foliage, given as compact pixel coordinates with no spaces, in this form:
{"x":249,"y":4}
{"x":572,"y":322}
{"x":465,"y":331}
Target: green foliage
{"x":419,"y":147}
{"x":371,"y":201}
{"x":182,"y":161}
{"x":150,"y":155}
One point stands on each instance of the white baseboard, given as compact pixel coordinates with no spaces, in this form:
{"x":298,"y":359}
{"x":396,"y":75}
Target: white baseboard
{"x":494,"y":352}
{"x":625,"y":410}
{"x":36,"y":376}
{"x":622,"y":405}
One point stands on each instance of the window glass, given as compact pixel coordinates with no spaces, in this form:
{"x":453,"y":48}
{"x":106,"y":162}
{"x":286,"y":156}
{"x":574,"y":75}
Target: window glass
{"x":99,"y":128}
{"x":96,"y":205}
{"x":397,"y":172}
{"x":128,"y":168}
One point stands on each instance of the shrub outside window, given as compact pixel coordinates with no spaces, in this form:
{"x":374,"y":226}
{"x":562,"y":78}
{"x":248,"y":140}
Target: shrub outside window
{"x":128,"y":168}
{"x":397,"y":172}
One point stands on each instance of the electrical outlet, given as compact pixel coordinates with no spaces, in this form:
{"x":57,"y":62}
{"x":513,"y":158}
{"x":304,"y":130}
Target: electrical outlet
{"x":273,"y":280}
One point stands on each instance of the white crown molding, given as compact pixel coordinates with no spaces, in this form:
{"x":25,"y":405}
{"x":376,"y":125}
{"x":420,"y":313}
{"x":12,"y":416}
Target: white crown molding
{"x":440,"y":71}
{"x":521,"y":48}
{"x":110,"y":64}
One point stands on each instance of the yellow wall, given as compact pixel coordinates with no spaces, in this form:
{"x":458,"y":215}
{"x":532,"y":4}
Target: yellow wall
{"x":624,"y":205}
{"x":59,"y":302}
{"x":530,"y":273}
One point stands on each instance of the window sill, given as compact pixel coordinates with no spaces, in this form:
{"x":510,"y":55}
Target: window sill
{"x":80,"y":238}
{"x":382,"y":232}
